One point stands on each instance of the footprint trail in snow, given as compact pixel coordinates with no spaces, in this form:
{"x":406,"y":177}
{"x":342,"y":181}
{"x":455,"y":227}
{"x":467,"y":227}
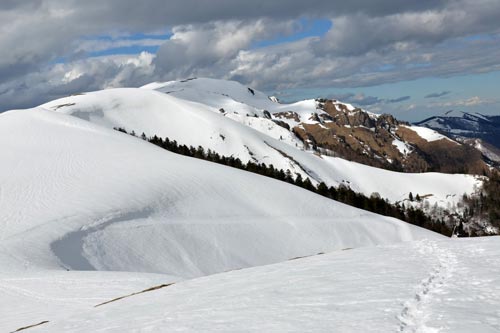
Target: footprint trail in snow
{"x":415,"y":313}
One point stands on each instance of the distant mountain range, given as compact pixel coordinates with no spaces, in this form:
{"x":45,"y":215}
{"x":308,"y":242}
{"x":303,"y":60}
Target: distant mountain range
{"x":475,"y":129}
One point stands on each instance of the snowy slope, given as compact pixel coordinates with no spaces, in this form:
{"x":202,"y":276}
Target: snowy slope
{"x":85,"y":197}
{"x":247,"y":137}
{"x":89,"y":215}
{"x":28,"y":298}
{"x":424,"y":286}
{"x":231,"y":96}
{"x":428,"y":134}
{"x":80,"y":197}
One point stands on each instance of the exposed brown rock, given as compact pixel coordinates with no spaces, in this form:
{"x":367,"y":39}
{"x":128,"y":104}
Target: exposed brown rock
{"x":287,"y":115}
{"x":445,"y":155}
{"x":358,"y":136}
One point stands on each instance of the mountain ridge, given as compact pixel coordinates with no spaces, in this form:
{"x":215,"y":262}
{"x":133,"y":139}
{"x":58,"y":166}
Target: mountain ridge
{"x":244,"y":131}
{"x":89,"y":215}
{"x":352,"y":133}
{"x":477,"y":130}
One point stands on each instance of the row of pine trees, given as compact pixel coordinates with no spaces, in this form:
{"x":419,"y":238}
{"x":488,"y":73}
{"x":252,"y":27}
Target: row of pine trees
{"x":343,"y":194}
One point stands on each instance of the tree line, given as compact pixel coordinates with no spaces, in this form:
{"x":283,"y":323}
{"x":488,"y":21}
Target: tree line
{"x":485,"y":205}
{"x":342,"y":193}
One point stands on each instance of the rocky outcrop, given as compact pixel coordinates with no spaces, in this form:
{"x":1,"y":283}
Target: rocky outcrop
{"x":383,"y":141}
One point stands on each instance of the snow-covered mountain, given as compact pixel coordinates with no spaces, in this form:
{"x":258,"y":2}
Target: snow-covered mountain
{"x":86,"y":197}
{"x":475,"y":129}
{"x":234,"y":120}
{"x":79,"y":196}
{"x":102,"y":231}
{"x":336,"y":128}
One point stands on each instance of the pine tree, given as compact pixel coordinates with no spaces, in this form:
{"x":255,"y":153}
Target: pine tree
{"x":322,"y":189}
{"x":299,"y":181}
{"x":308,"y":185}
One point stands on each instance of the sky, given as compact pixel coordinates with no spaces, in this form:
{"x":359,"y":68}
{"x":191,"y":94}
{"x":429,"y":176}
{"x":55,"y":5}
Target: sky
{"x":414,"y":59}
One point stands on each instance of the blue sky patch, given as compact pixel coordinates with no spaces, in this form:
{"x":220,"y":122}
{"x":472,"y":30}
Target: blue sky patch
{"x":309,"y":28}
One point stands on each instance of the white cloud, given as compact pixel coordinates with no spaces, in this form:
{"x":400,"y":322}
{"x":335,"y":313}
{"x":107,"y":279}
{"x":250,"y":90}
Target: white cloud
{"x":78,"y":76}
{"x":472,"y":101}
{"x":371,"y":42}
{"x":207,"y":48}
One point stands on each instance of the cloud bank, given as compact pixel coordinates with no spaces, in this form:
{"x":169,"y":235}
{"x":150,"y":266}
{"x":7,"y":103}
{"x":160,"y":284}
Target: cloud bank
{"x":47,"y":46}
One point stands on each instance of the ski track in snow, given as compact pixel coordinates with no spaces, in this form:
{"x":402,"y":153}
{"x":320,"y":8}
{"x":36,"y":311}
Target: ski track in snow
{"x":415,"y":314}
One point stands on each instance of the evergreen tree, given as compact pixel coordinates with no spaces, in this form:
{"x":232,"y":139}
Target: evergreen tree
{"x":299,"y":181}
{"x":308,"y":185}
{"x":322,"y":189}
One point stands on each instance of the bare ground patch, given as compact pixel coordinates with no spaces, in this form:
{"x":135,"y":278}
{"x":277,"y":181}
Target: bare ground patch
{"x":137,"y":293}
{"x":30,"y":326}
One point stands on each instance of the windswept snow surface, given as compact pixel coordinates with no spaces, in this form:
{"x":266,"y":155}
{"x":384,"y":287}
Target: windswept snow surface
{"x":168,"y":112}
{"x":81,"y":197}
{"x":422,"y":286}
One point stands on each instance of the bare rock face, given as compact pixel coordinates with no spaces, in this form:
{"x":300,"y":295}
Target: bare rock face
{"x":377,"y":140}
{"x":360,"y":118}
{"x":287,"y":115}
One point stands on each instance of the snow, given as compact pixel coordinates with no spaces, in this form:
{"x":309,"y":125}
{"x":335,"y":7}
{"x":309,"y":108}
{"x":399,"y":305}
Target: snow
{"x":247,"y":137}
{"x":481,"y":116}
{"x":492,"y":154}
{"x":114,"y":191}
{"x":395,"y":186}
{"x":89,"y":215}
{"x":81,"y":197}
{"x":35,"y":296}
{"x":454,"y":113}
{"x":187,"y":122}
{"x":403,"y":147}
{"x":231,"y":96}
{"x":423,"y":286}
{"x":465,"y":115}
{"x":349,"y":106}
{"x":428,"y":134}
{"x":268,"y":127}
{"x":437,"y":123}
{"x":274,"y":99}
